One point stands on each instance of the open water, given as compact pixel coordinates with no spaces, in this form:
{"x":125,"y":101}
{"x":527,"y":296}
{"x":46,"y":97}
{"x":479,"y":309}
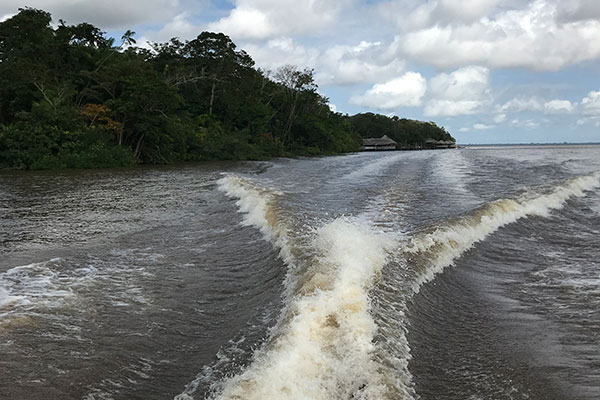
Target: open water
{"x":452,"y":274}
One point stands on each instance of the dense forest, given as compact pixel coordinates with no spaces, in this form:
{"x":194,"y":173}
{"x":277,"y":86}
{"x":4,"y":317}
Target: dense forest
{"x":70,"y":97}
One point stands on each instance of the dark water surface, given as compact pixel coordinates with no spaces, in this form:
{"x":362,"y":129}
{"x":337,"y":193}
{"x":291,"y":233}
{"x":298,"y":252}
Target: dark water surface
{"x":451,"y":274}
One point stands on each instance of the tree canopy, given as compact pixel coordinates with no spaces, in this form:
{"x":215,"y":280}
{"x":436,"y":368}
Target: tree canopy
{"x":406,"y":132}
{"x":70,"y":98}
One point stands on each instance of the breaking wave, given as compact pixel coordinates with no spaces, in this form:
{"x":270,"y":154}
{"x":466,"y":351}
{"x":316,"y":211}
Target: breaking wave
{"x":259,"y":205}
{"x":325,"y":344}
{"x":322,"y":346}
{"x":446,"y":243}
{"x":323,"y":350}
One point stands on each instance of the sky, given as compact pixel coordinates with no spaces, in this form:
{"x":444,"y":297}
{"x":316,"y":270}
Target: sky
{"x":489,"y":71}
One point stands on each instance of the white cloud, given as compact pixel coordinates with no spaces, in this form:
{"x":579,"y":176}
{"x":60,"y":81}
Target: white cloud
{"x":521,"y":103}
{"x":405,"y":91}
{"x":464,"y":10}
{"x":483,"y":127}
{"x":530,"y":37}
{"x":179,"y":27}
{"x":462,"y":92}
{"x":281,"y":51}
{"x":5,"y":17}
{"x":263,"y":19}
{"x":524,"y":103}
{"x":591,"y":104}
{"x":578,"y":10}
{"x":450,"y":108}
{"x":558,"y":107}
{"x":468,"y":82}
{"x":366,"y":62}
{"x":105,"y":14}
{"x":411,"y":15}
{"x":528,"y":124}
{"x":244,"y":22}
{"x":499,"y":118}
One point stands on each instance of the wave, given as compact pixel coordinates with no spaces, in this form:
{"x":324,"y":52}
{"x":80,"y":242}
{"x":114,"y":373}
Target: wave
{"x":259,"y":206}
{"x":58,"y":286}
{"x":446,"y":243}
{"x":324,"y":349}
{"x":322,"y":345}
{"x":328,"y":341}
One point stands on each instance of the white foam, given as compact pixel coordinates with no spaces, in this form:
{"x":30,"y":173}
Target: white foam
{"x":324,"y":350}
{"x":258,"y":204}
{"x":32,"y":285}
{"x":595,"y":204}
{"x":324,"y":344}
{"x":36,"y":288}
{"x":447,"y":243}
{"x":6,"y":298}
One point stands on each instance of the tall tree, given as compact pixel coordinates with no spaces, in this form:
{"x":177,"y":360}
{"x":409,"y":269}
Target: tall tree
{"x":296,"y":84}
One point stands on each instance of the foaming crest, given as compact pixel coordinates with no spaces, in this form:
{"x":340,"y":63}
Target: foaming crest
{"x":259,"y":205}
{"x":324,"y":350}
{"x":325,"y":346}
{"x":445,"y":244}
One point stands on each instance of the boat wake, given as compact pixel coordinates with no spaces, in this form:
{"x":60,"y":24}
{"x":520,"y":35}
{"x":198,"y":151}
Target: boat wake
{"x":331,"y":340}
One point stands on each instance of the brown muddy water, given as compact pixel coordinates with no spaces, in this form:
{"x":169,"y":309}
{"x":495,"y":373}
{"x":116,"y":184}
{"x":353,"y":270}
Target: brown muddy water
{"x":451,"y":274}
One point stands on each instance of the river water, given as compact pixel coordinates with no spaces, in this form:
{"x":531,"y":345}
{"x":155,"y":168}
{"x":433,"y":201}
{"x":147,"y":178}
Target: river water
{"x":451,"y":274}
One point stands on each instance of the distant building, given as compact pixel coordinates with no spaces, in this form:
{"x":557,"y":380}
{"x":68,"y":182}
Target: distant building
{"x":439,"y":144}
{"x":382,"y":143}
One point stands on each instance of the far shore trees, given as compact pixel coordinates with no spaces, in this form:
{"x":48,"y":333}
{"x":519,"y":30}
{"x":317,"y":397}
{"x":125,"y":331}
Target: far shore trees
{"x":71,"y":98}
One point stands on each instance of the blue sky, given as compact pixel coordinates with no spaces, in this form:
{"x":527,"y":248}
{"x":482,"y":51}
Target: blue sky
{"x":490,"y":71}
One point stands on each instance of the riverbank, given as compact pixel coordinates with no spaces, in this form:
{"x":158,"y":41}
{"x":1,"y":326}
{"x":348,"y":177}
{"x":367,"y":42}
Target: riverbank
{"x":70,"y":97}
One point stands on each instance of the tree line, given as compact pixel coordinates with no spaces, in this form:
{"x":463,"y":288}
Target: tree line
{"x":71,"y":97}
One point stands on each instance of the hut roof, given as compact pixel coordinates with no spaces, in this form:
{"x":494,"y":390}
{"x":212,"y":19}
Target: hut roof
{"x":433,"y":141}
{"x":382,"y":141}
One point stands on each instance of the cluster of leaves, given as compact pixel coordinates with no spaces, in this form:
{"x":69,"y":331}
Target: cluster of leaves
{"x":407,"y":133}
{"x":70,"y":97}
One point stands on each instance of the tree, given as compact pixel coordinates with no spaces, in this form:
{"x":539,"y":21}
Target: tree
{"x":215,"y":58}
{"x":296,"y":84}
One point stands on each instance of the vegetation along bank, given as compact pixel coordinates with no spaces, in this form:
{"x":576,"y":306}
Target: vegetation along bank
{"x":71,"y":97}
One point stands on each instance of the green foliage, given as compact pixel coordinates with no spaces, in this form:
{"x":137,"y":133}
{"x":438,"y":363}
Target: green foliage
{"x":406,"y":132}
{"x":71,"y":98}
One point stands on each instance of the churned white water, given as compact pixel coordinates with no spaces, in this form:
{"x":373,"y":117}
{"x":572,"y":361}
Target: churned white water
{"x":321,"y":292}
{"x":323,"y":346}
{"x":32,"y":285}
{"x":259,"y":205}
{"x":447,"y":243}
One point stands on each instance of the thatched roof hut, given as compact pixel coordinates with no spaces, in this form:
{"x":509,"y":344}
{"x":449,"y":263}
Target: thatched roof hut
{"x":382,"y":143}
{"x":440,"y":144}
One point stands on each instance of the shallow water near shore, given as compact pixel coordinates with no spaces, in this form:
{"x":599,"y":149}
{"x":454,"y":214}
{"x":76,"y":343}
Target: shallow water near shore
{"x":454,"y":274}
